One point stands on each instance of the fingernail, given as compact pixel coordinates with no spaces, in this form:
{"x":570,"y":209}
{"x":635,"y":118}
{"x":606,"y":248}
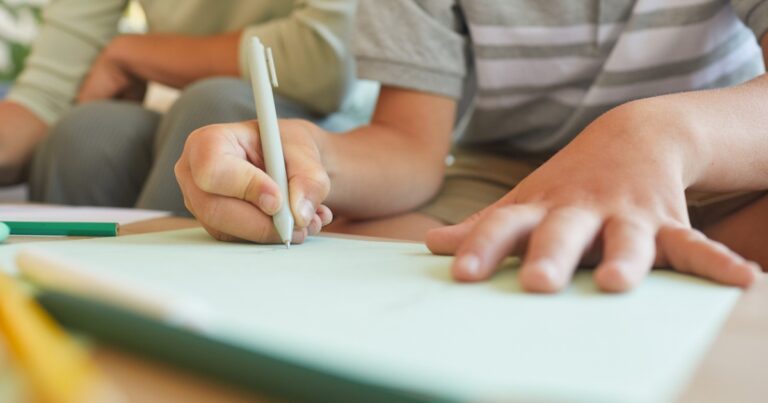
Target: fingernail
{"x":541,"y":276}
{"x":307,"y":211}
{"x":549,"y":272}
{"x":268,"y":203}
{"x":298,"y":236}
{"x":469,"y":264}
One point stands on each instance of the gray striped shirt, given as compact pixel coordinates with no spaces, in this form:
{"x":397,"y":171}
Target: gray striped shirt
{"x":531,"y":74}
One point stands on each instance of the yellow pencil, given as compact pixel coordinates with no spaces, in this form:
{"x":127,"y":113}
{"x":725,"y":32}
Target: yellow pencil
{"x":57,"y":369}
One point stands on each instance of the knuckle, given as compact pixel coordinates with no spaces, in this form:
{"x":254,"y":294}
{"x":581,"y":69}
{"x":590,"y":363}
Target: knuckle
{"x":196,"y":136}
{"x":297,"y":124}
{"x":177,"y":171}
{"x":318,"y":182}
{"x":188,"y":206}
{"x":677,"y":230}
{"x":718,"y":247}
{"x":211,"y":212}
{"x":572,"y":213}
{"x":250,"y":188}
{"x":204,"y":173}
{"x":262,"y":233}
{"x":205,"y":132}
{"x":504,"y":214}
{"x":630,"y":224}
{"x":691,"y":235}
{"x":220,"y":236}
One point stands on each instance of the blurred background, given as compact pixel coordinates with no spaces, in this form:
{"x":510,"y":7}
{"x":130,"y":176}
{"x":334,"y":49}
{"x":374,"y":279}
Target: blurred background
{"x":18,"y":28}
{"x":19,"y":20}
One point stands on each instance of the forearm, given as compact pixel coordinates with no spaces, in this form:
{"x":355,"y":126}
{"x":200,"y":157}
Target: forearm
{"x":20,"y":131}
{"x":394,"y":164}
{"x":177,"y":60}
{"x":376,"y":171}
{"x":722,"y":134}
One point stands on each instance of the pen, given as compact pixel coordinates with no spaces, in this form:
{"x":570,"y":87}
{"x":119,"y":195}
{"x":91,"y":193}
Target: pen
{"x":263,"y":76}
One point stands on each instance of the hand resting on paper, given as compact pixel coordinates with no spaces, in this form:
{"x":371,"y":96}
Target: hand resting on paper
{"x":222,"y":177}
{"x":615,"y":196}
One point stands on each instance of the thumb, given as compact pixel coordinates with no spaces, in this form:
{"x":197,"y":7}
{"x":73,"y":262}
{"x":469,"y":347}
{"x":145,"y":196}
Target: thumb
{"x":446,"y":240}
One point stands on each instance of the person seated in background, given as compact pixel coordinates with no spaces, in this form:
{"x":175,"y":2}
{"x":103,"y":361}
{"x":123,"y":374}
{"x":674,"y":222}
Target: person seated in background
{"x":18,"y":24}
{"x":76,"y":106}
{"x":578,"y":141}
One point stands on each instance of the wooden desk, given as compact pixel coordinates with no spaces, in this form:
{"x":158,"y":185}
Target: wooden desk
{"x":734,"y":369}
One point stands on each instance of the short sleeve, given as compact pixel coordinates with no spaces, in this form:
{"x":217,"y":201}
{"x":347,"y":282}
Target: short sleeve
{"x":312,"y":52}
{"x":413,"y":44}
{"x":754,"y":13}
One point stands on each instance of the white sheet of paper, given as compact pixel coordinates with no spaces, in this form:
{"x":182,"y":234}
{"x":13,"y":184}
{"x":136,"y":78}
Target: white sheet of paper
{"x":390,"y":312}
{"x":39,"y":212}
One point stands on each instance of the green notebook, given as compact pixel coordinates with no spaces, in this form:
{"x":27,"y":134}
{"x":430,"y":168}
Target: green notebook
{"x":349,"y":320}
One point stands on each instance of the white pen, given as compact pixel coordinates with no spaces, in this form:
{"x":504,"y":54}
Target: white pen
{"x":263,"y":76}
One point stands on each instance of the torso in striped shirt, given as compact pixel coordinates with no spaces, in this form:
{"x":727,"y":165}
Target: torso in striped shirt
{"x":544,"y":69}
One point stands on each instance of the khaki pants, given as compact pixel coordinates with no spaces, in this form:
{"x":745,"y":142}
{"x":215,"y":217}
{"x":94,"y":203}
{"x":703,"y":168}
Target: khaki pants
{"x":476,"y":179}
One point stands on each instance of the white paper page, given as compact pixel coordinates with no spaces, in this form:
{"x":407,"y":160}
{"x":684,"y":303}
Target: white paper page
{"x":389,"y":312}
{"x":37,"y":212}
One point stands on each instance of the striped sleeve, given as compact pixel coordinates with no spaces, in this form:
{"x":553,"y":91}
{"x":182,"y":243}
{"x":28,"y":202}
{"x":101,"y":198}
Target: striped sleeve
{"x":754,"y":13}
{"x":413,"y":44}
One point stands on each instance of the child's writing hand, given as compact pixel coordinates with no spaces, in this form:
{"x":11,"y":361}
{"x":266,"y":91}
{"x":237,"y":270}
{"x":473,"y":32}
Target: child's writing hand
{"x":617,"y":193}
{"x":222,"y":177}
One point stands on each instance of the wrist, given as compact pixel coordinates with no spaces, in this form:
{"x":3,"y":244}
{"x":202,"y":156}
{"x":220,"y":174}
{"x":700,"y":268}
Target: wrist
{"x":662,"y":130}
{"x":121,"y":50}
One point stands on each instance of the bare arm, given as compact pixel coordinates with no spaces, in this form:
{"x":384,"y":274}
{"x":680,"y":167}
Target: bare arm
{"x":395,"y":163}
{"x":310,"y":47}
{"x":723,"y":133}
{"x":20,"y":131}
{"x":176,"y":60}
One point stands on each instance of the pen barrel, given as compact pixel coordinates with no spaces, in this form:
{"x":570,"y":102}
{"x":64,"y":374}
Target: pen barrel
{"x":62,"y":228}
{"x":269,"y":134}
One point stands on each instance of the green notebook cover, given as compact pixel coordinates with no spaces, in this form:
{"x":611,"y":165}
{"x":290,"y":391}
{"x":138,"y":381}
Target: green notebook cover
{"x":248,"y":368}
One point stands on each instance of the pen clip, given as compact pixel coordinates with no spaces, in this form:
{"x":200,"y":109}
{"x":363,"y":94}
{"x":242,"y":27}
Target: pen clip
{"x":271,"y":66}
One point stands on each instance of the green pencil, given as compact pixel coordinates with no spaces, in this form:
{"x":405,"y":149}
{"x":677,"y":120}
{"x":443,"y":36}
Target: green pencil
{"x":62,"y":228}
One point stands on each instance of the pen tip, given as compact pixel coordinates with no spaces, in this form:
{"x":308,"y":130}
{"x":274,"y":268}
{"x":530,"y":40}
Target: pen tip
{"x":287,"y":244}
